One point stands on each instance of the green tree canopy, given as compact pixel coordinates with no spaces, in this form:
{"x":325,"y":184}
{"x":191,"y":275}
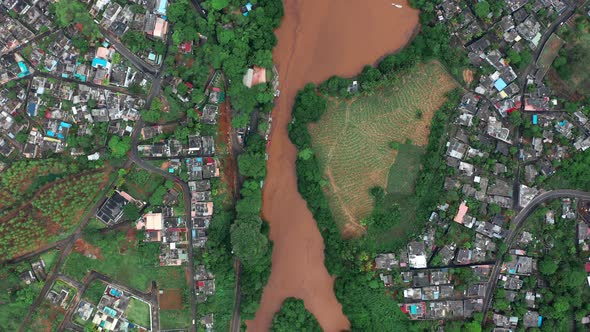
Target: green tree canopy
{"x":294,"y":317}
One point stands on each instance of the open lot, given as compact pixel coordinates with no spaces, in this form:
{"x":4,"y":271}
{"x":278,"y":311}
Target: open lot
{"x":354,"y":140}
{"x":550,"y":52}
{"x":138,"y":312}
{"x":170,"y":299}
{"x":140,"y":184}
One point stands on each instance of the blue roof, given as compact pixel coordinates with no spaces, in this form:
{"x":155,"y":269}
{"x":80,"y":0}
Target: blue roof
{"x":500,"y":84}
{"x":32,"y":109}
{"x":162,"y":7}
{"x":99,"y":62}
{"x":535,"y":119}
{"x":413,"y":309}
{"x":65,"y":125}
{"x":170,"y":170}
{"x":50,"y":133}
{"x":540,"y":322}
{"x":23,"y":67}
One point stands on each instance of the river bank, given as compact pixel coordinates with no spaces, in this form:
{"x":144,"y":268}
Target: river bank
{"x":316,"y":40}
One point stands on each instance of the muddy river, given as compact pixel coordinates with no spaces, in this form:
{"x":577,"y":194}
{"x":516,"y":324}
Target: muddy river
{"x":317,"y":39}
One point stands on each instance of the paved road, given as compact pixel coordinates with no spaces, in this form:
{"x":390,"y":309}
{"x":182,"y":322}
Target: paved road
{"x":135,"y":60}
{"x":516,"y":226}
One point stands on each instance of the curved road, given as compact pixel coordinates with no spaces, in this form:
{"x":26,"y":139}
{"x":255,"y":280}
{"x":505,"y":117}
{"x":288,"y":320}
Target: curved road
{"x":518,"y":223}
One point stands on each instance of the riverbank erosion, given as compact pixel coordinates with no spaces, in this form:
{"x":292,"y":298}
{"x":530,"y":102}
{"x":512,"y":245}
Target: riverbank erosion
{"x":317,"y":39}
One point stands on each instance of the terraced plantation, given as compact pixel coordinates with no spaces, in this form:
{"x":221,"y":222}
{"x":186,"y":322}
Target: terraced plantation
{"x":358,"y":141}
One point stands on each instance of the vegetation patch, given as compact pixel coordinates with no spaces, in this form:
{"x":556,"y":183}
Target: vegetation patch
{"x":135,"y":266}
{"x":138,"y":312}
{"x":15,"y":296}
{"x":94,"y":291}
{"x":51,"y":214}
{"x":355,"y":141}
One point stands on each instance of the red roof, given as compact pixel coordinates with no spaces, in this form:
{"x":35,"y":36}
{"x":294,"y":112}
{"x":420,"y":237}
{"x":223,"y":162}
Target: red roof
{"x":200,"y":284}
{"x":216,"y":89}
{"x":186,"y":47}
{"x":189,"y":85}
{"x":587,"y":266}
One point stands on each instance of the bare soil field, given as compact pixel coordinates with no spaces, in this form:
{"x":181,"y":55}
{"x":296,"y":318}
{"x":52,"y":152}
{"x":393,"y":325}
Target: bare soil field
{"x":170,"y":300}
{"x":352,"y":140}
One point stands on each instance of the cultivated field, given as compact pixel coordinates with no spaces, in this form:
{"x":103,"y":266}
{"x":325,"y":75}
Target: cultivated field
{"x":47,"y":200}
{"x":353,"y":140}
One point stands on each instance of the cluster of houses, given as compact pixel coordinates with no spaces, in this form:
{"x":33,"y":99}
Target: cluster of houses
{"x":431,"y":292}
{"x":111,"y":312}
{"x":13,"y":66}
{"x":35,"y":14}
{"x":100,"y":64}
{"x":147,"y":17}
{"x":197,"y":146}
{"x":169,"y":230}
{"x":57,"y":106}
{"x":12,"y":34}
{"x":482,"y":149}
{"x":37,"y":273}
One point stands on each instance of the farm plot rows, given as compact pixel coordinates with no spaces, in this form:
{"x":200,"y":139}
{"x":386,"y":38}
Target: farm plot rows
{"x":50,"y":215}
{"x":353,"y":139}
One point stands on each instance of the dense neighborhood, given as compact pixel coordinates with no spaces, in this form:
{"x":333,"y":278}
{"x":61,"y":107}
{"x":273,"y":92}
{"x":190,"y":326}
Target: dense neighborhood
{"x":510,"y":133}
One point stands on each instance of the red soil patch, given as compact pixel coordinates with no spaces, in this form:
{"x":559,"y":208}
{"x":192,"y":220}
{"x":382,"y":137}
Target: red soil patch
{"x":311,"y":40}
{"x":85,"y":248}
{"x":228,"y":163}
{"x":165,"y":165}
{"x":170,"y":299}
{"x":130,"y":235}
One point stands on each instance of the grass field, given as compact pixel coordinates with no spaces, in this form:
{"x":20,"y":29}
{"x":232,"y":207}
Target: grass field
{"x":550,"y":52}
{"x":94,"y":291}
{"x":138,"y":312}
{"x":353,"y":140}
{"x":141,"y":185}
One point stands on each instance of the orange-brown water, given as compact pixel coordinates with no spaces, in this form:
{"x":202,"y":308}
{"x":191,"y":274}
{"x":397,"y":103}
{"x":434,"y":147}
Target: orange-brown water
{"x":317,"y":39}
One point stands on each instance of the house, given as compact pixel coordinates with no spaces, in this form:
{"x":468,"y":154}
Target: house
{"x":512,"y":282}
{"x":153,"y":224}
{"x":207,"y":321}
{"x":255,"y":75}
{"x":532,"y":319}
{"x":84,"y":310}
{"x":386,"y":262}
{"x":417,"y":254}
{"x":447,"y":253}
{"x":160,"y":28}
{"x":209,"y":114}
{"x":112,"y":209}
{"x":505,"y":321}
{"x":463,"y":256}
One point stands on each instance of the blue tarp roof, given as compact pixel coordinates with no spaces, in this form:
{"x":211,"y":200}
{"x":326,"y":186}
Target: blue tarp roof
{"x":50,"y":133}
{"x":32,"y":109}
{"x":500,"y":84}
{"x":99,"y":62}
{"x":65,"y":125}
{"x":540,"y":322}
{"x":535,"y":119}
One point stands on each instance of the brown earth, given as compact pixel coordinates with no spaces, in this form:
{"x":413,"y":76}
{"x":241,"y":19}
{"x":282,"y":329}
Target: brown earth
{"x":225,"y":139}
{"x":170,"y":300}
{"x":85,"y":248}
{"x":317,"y":39}
{"x":468,"y":76}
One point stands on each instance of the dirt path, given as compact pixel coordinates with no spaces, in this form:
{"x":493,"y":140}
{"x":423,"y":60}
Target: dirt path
{"x":317,"y":39}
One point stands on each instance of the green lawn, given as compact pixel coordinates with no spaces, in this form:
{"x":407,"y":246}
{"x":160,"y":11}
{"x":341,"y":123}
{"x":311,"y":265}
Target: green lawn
{"x":49,"y":259}
{"x":404,"y":171}
{"x":123,"y":260}
{"x":175,"y":319}
{"x":141,"y":184}
{"x":138,"y":312}
{"x":94,"y":291}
